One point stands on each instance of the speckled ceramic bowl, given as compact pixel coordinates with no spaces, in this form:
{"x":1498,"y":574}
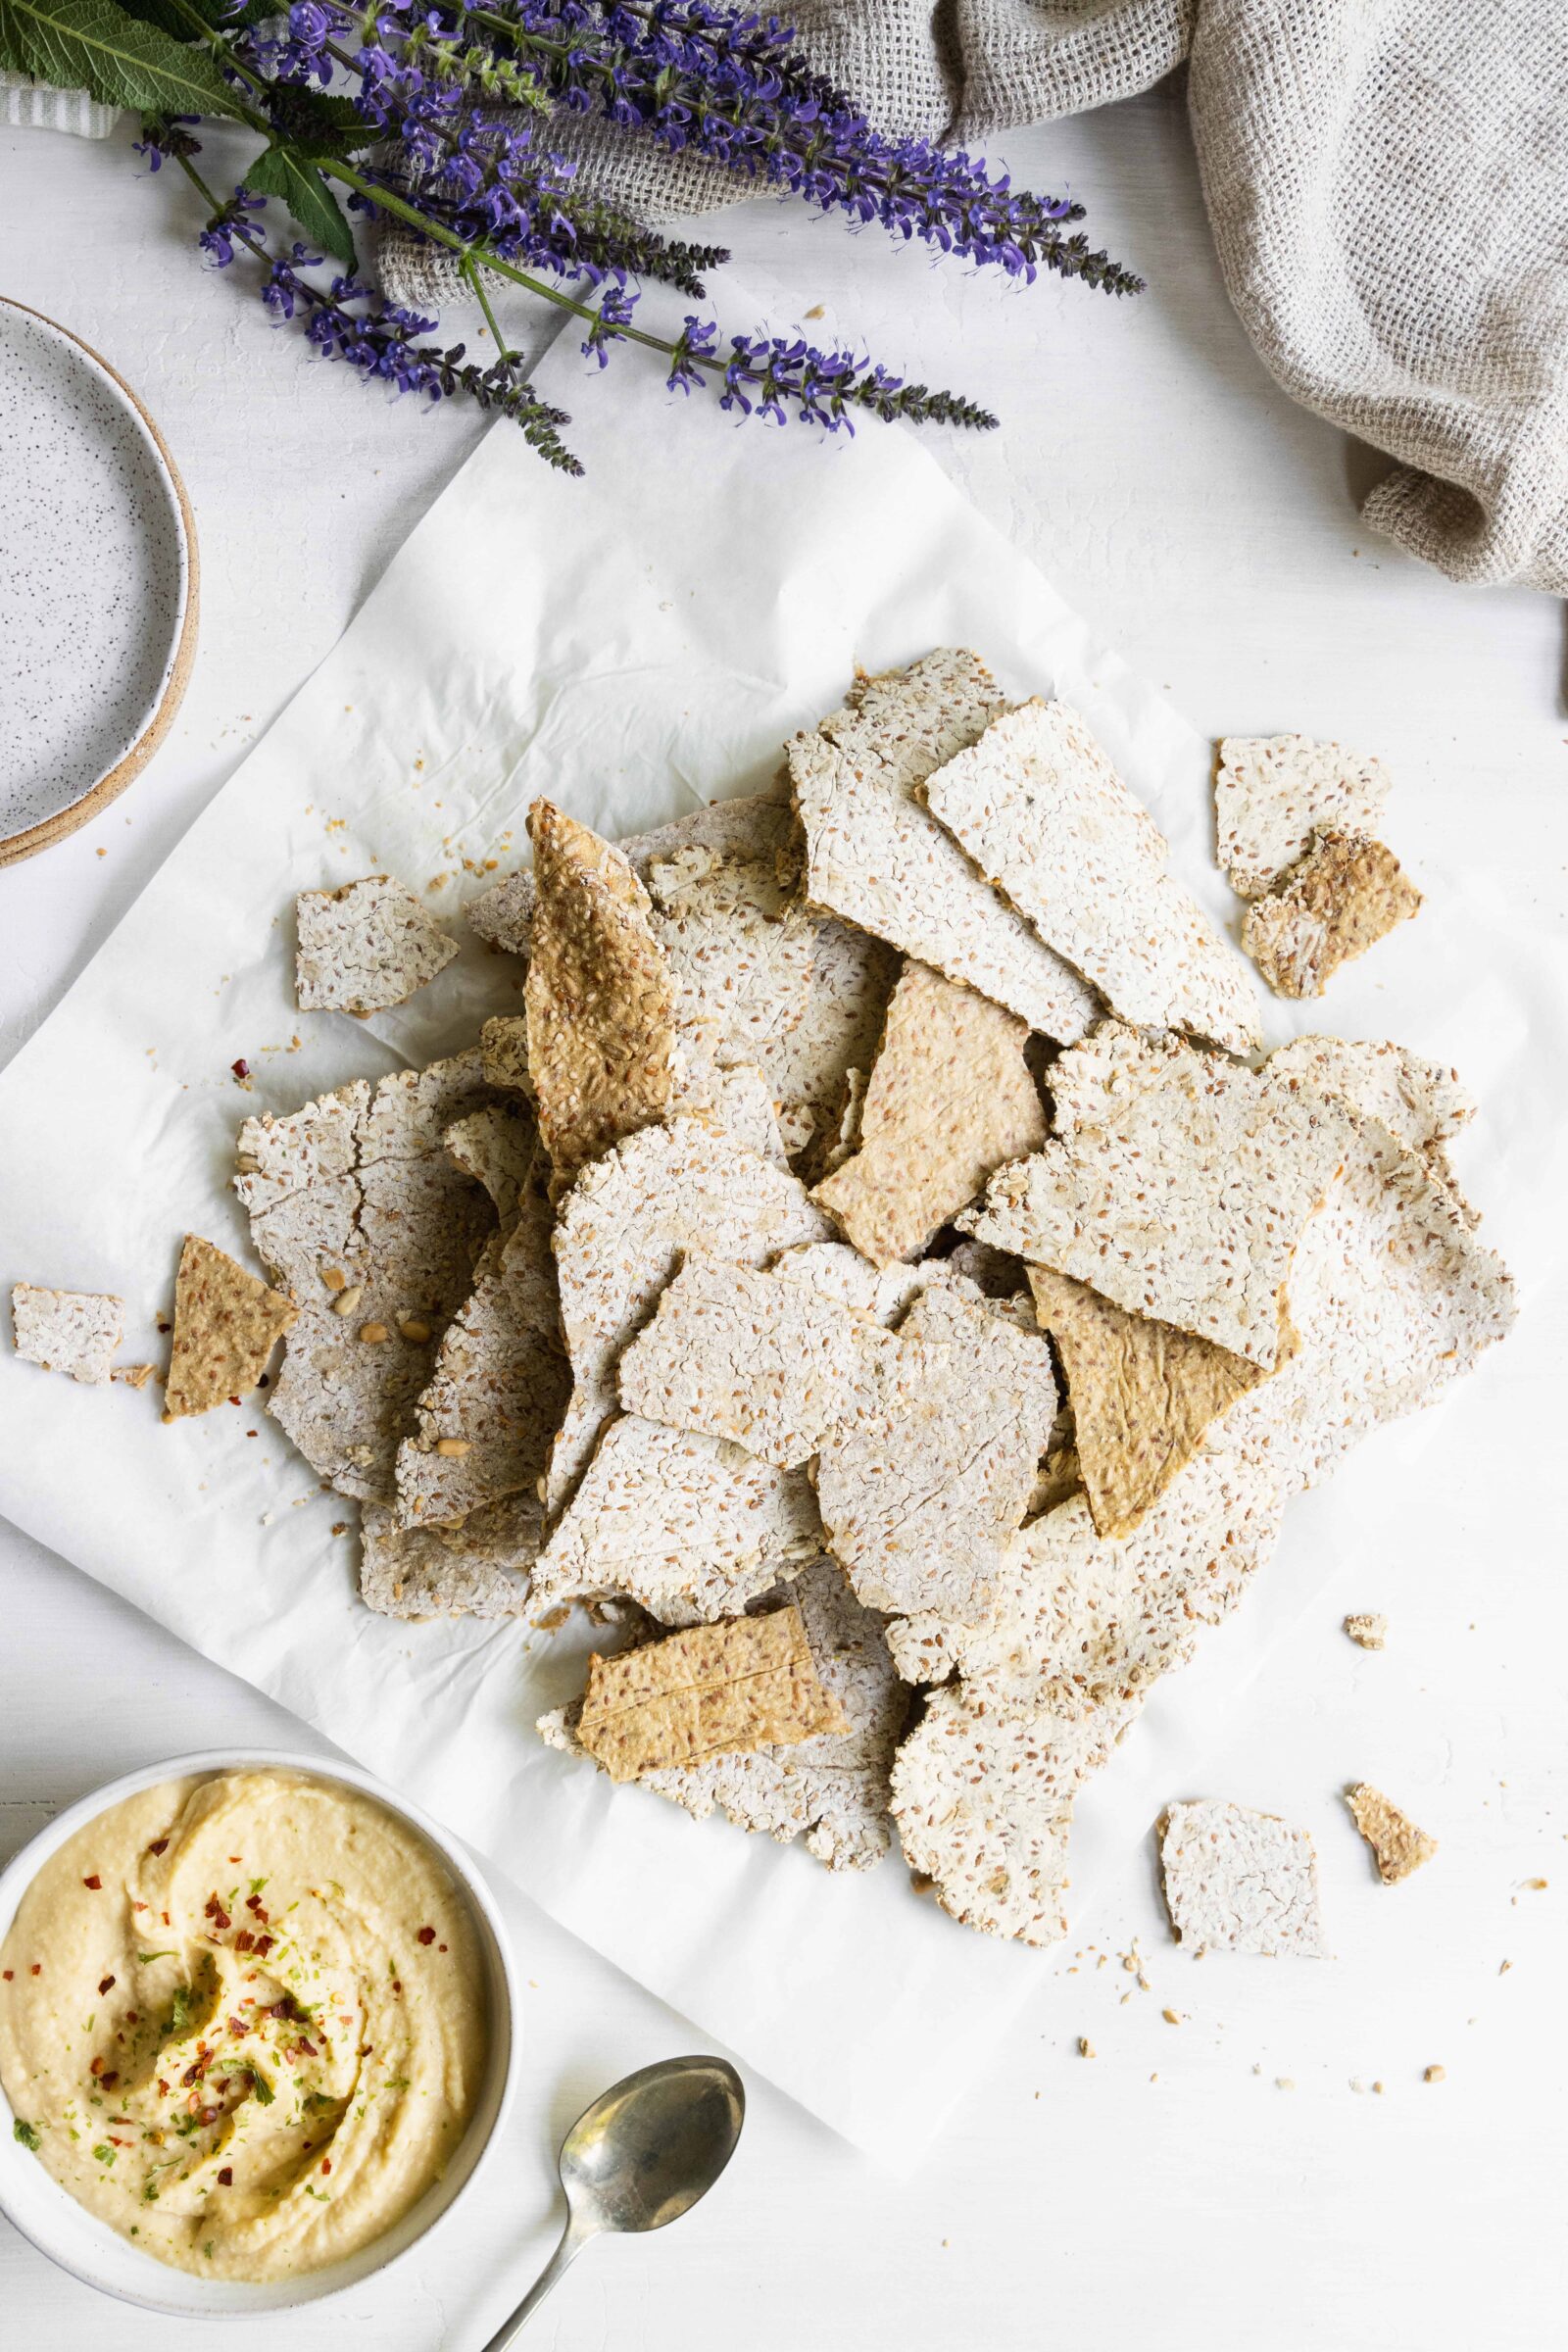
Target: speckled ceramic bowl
{"x":97,"y":584}
{"x":87,"y":2247}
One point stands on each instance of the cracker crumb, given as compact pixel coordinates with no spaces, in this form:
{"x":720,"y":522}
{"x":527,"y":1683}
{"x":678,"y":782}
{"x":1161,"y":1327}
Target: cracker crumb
{"x":1367,"y":1630}
{"x":1435,"y":2073}
{"x":1086,"y":2048}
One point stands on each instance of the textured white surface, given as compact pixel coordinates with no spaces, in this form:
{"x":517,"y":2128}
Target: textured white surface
{"x":1204,"y":526}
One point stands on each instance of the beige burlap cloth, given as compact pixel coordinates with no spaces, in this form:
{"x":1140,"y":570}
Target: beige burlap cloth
{"x":1386,"y":182}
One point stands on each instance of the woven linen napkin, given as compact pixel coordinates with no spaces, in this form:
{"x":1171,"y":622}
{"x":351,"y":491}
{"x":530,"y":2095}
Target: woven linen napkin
{"x":1388,"y":186}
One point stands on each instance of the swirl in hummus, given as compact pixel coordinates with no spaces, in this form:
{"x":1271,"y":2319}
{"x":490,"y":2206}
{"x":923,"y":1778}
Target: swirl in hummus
{"x":242,"y":2020}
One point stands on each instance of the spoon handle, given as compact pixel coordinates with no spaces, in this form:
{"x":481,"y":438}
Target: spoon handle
{"x":573,"y":2242}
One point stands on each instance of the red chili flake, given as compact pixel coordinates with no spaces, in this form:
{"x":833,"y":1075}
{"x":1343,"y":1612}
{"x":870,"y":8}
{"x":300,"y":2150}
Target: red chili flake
{"x":253,"y":1903}
{"x":249,"y":1432}
{"x":397,"y":1985}
{"x":425,"y":1935}
{"x":97,"y":2067}
{"x":234,"y":1400}
{"x":138,"y":1907}
{"x":326,"y":2164}
{"x":8,"y":1975}
{"x":117,"y":2143}
{"x":164,"y":1914}
{"x":133,"y":2017}
{"x":226,"y":2179}
{"x":94,"y":1884}
{"x":238,"y":2027}
{"x":223,"y":2085}
{"x":104,"y":1983}
{"x":36,"y":1968}
{"x":157,"y":1845}
{"x":217,"y":1914}
{"x":440,"y":1947}
{"x":264,"y":1944}
{"x":237,"y":1857}
{"x":163,"y":2088}
{"x":244,"y":1941}
{"x":240,"y":1068}
{"x":108,"y":2081}
{"x":166,"y":1327}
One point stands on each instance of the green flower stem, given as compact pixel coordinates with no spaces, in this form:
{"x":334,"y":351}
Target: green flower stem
{"x":470,"y":272}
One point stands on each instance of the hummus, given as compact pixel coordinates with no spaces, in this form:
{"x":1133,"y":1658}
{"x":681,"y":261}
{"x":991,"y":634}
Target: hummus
{"x":242,"y":2020}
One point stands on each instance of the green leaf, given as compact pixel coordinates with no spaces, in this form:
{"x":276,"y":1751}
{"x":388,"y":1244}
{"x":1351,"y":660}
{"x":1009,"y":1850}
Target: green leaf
{"x":316,"y":124}
{"x":93,"y":44}
{"x":171,"y":18}
{"x":296,"y":181}
{"x":28,"y":2133}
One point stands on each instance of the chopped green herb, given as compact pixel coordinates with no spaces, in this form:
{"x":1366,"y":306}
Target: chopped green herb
{"x":207,"y":2250}
{"x":180,"y":2013}
{"x":396,"y":2082}
{"x":104,"y":2153}
{"x":146,"y":1957}
{"x":28,"y":2133}
{"x":257,"y":1884}
{"x":265,"y":2094}
{"x":320,"y":2194}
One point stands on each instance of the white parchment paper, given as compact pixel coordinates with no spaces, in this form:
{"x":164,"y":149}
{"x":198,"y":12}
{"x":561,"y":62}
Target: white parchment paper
{"x":631,"y":643}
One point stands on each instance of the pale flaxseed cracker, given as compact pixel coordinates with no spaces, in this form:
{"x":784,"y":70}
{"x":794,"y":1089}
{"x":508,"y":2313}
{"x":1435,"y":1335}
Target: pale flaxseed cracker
{"x":1272,"y":793}
{"x":1240,"y":1880}
{"x":620,"y":1235}
{"x":1186,"y":1203}
{"x":364,"y":946}
{"x":878,"y":858}
{"x":67,"y":1331}
{"x":1043,"y":814}
{"x":478,"y":1568}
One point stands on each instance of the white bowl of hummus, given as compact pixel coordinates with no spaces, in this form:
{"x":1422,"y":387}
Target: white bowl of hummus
{"x":257,"y":2033}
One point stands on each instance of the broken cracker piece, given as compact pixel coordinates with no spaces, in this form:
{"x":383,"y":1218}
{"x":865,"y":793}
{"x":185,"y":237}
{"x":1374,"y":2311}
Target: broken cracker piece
{"x":67,"y":1331}
{"x":1045,"y":817}
{"x":830,"y":1791}
{"x":479,"y":1568}
{"x":950,"y":1098}
{"x":1238,"y":1881}
{"x":984,"y":1802}
{"x":1187,"y":1202}
{"x":1142,"y":1393}
{"x":736,"y":1353}
{"x":364,"y":946}
{"x":620,"y":1235}
{"x":1347,"y":892}
{"x":1398,"y":1845}
{"x":504,"y":1052}
{"x":1420,"y":1103}
{"x":921,"y":1483}
{"x":359,"y":1185}
{"x":227,"y":1324}
{"x":691,"y":1528}
{"x":1367,"y":1630}
{"x":1272,"y":793}
{"x":714,"y":1689}
{"x":599,"y":997}
{"x":878,"y":858}
{"x":497,"y":1148}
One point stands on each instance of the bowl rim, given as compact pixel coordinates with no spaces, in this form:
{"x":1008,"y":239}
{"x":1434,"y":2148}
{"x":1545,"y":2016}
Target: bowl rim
{"x":179,"y":661}
{"x":17,"y":1876}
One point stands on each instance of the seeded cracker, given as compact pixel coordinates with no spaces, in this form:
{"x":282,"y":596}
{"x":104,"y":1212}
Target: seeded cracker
{"x":832,"y":1791}
{"x":499,"y":1386}
{"x":1077,"y":1622}
{"x":714,"y":1689}
{"x":1367,"y":1629}
{"x":364,"y":946}
{"x":878,"y":858}
{"x":1420,"y":1103}
{"x":477,"y":1569}
{"x":1398,"y":1845}
{"x":1186,"y":1204}
{"x":1142,"y":1393}
{"x":600,"y":999}
{"x":67,"y":1331}
{"x":226,"y":1325}
{"x":950,"y":1098}
{"x":1236,"y":1881}
{"x":504,"y":1049}
{"x":750,"y":827}
{"x":921,"y":1487}
{"x":752,"y":1356}
{"x":984,"y":1808}
{"x":1273,"y":791}
{"x":1347,"y":892}
{"x":497,"y":1148}
{"x":620,"y":1235}
{"x":358,"y":1186}
{"x":691,"y":1528}
{"x":1044,"y":815}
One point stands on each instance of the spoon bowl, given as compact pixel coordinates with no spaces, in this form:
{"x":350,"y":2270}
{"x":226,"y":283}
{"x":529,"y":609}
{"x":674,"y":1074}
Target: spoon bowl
{"x":649,"y":2146}
{"x":642,"y":2155}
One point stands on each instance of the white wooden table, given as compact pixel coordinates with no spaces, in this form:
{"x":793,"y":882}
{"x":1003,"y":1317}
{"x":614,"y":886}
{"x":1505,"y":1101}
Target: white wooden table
{"x":1272,"y":2171}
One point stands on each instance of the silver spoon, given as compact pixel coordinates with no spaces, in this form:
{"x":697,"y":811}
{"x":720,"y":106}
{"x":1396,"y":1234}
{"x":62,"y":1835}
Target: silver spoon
{"x":640,"y":2156}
